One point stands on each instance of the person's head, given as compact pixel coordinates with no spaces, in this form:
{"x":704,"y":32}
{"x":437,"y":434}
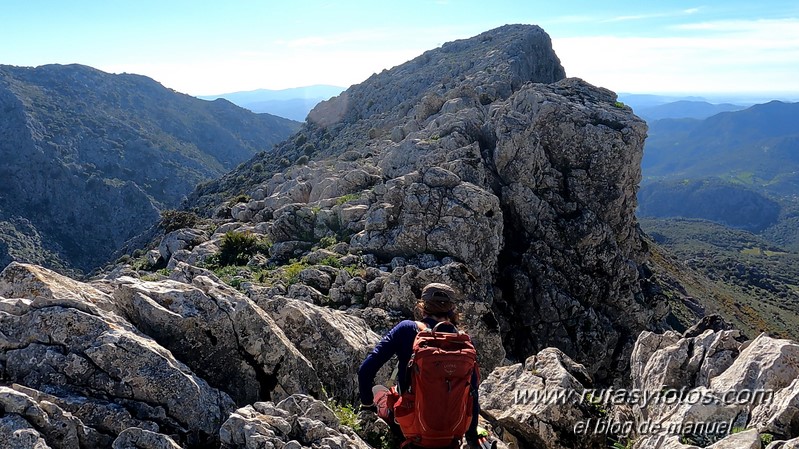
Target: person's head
{"x":438,"y":301}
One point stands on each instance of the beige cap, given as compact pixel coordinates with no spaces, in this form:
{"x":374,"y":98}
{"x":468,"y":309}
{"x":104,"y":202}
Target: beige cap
{"x":439,"y":292}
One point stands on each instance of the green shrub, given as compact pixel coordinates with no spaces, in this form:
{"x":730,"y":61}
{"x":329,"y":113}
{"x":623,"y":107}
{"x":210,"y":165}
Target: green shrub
{"x":628,"y":443}
{"x":291,"y":272}
{"x":331,"y":261}
{"x":240,"y":198}
{"x":355,"y":271}
{"x":346,"y":198}
{"x":140,"y":264}
{"x":346,"y":414}
{"x":236,"y":248}
{"x":327,"y":241}
{"x":232,"y":275}
{"x":172,"y":220}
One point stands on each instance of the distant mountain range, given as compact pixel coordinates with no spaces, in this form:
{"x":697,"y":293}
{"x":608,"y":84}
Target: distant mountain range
{"x":685,"y":109}
{"x":294,"y":103}
{"x":89,"y":158}
{"x":737,"y":168}
{"x":757,"y":147}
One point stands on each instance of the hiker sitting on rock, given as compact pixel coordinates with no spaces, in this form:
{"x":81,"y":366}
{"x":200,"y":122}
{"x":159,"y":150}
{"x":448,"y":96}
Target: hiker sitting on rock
{"x":436,"y":404}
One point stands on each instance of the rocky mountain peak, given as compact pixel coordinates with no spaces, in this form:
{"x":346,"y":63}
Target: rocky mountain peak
{"x":478,"y":153}
{"x":494,"y":64}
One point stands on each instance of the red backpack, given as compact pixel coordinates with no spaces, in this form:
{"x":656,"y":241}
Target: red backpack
{"x":437,"y":408}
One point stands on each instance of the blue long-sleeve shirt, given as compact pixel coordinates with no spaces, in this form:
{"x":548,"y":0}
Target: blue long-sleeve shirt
{"x":399,"y":341}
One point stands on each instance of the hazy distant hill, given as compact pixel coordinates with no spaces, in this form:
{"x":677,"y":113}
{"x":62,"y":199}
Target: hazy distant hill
{"x":711,"y":199}
{"x":644,"y":101}
{"x":737,"y":168}
{"x":757,"y":147}
{"x":685,"y":109}
{"x":89,"y":158}
{"x":294,"y":103}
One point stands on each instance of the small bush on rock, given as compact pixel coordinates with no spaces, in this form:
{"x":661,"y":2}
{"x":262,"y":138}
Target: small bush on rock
{"x":236,"y":248}
{"x":172,"y":220}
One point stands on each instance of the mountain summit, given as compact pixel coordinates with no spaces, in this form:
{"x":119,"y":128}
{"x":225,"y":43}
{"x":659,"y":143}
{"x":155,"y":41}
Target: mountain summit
{"x":479,"y":153}
{"x":89,"y":158}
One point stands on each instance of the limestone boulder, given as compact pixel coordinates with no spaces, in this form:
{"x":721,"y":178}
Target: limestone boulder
{"x":20,"y":280}
{"x":792,"y":444}
{"x":335,"y":343}
{"x":28,"y":423}
{"x":294,"y":423}
{"x":181,"y":239}
{"x":100,"y":416}
{"x":84,"y":352}
{"x":221,"y":334}
{"x":746,"y":390}
{"x":540,"y":401}
{"x":136,"y":438}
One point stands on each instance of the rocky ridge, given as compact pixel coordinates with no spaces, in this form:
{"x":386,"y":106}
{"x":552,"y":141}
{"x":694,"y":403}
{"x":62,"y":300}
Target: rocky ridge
{"x":244,"y":330}
{"x":481,"y":154}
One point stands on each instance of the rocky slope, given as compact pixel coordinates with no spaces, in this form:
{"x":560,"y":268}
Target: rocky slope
{"x":188,"y":362}
{"x":90,"y":158}
{"x":481,"y":154}
{"x":477,"y":164}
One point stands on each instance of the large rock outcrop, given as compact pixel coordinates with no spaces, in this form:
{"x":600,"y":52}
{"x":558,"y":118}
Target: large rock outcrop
{"x":744,"y":393}
{"x":335,"y":342}
{"x":481,"y":153}
{"x":539,"y":403}
{"x":223,"y":336}
{"x":79,"y":353}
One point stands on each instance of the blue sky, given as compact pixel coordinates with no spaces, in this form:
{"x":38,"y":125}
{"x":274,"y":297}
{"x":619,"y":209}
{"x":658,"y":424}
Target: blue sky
{"x":208,"y":47}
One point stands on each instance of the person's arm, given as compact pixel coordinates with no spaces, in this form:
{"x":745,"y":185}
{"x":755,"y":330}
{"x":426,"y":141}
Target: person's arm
{"x":381,"y":354}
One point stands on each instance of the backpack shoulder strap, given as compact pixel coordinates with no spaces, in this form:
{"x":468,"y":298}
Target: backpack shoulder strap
{"x":446,"y":322}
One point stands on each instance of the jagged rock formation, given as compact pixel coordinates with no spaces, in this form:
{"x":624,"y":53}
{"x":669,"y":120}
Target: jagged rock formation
{"x":148,"y":364}
{"x":296,"y":422}
{"x":752,"y":386}
{"x":508,"y":398}
{"x":477,"y":164}
{"x":713,"y":389}
{"x":97,"y":366}
{"x":219,"y":334}
{"x":89,"y":158}
{"x":479,"y":153}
